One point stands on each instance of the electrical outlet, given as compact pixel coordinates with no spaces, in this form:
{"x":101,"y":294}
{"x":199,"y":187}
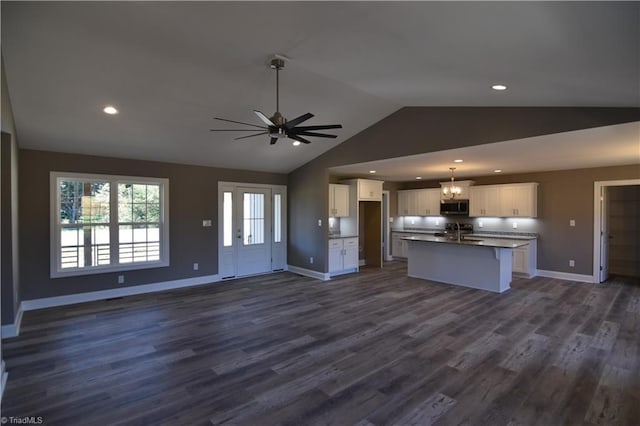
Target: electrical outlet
{"x":311,"y":260}
{"x":120,"y":279}
{"x":195,"y":266}
{"x":572,"y":263}
{"x":480,"y":224}
{"x":320,"y":222}
{"x":572,"y":222}
{"x":437,"y":222}
{"x":413,"y":222}
{"x":515,"y":225}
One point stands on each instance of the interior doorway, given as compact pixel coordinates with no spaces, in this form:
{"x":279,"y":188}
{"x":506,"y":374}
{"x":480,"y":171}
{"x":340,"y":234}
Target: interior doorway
{"x":615,"y":228}
{"x":252,"y":229}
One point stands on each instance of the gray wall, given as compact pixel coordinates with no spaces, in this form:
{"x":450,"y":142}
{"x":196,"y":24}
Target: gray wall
{"x":416,"y":130}
{"x":192,"y":197}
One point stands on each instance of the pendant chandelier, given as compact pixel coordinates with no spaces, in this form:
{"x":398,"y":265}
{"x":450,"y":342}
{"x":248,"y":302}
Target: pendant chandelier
{"x":451,"y":190}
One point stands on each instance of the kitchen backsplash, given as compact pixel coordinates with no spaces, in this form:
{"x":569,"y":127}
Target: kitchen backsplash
{"x":486,"y":225}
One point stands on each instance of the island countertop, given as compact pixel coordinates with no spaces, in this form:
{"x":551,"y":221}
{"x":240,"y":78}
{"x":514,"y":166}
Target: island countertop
{"x":471,"y":241}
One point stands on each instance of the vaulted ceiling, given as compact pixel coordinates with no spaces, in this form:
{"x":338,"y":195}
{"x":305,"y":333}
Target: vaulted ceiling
{"x":171,"y":66}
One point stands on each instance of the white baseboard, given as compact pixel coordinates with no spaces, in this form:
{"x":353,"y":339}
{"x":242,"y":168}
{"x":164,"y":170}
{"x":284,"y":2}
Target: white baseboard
{"x":308,"y":273}
{"x":12,"y":330}
{"x":566,"y":276}
{"x":50,"y":302}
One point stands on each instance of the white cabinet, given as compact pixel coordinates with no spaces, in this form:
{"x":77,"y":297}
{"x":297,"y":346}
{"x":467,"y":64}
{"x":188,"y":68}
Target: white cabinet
{"x":419,"y":202}
{"x":343,"y":255}
{"x":338,"y":200}
{"x":408,"y":203}
{"x":519,"y":200}
{"x":429,"y":202}
{"x":511,"y":200}
{"x":525,"y":260}
{"x":484,"y":201}
{"x":369,"y":190}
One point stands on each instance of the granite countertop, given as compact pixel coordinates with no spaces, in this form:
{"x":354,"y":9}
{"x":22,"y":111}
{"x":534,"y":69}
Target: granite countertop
{"x":337,"y":236}
{"x":485,"y":242}
{"x":477,"y":234}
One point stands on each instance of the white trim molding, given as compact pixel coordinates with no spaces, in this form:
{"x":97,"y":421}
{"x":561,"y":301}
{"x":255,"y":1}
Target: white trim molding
{"x":13,"y":329}
{"x":597,"y":219}
{"x":50,"y":302}
{"x":566,"y":276}
{"x":308,"y":273}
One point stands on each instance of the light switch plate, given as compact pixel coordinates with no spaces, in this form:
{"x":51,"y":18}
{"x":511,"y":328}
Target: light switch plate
{"x":206,"y":223}
{"x":515,"y":225}
{"x":572,"y":222}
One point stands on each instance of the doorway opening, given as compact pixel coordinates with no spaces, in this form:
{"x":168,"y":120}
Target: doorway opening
{"x":251,"y":229}
{"x":616,"y":233}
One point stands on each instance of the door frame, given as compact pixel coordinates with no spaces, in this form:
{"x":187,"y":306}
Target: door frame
{"x":597,"y":217}
{"x":281,"y":246}
{"x":386,"y":255}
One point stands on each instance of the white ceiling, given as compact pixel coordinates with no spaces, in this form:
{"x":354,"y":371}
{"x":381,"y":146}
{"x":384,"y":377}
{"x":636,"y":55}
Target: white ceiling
{"x":172,"y":66}
{"x":597,"y":147}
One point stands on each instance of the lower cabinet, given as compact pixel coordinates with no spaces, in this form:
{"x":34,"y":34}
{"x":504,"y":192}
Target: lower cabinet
{"x":343,"y":255}
{"x":525,"y":260}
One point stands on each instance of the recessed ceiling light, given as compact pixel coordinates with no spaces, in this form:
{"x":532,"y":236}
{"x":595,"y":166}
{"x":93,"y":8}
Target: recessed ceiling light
{"x":497,"y":171}
{"x":458,"y":161}
{"x":418,"y":177}
{"x":499,"y":87}
{"x":110,"y":109}
{"x":296,"y":143}
{"x":372,"y":171}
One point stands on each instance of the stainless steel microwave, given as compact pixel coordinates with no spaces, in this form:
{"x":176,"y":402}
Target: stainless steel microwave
{"x":454,"y":207}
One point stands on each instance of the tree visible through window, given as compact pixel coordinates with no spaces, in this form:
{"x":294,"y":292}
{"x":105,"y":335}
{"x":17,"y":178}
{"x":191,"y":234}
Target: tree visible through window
{"x":106,"y":222}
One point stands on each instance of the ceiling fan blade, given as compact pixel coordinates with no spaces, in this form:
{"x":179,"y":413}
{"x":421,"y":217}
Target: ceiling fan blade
{"x":273,"y":141}
{"x":264,"y":118}
{"x":250,"y":136}
{"x":233,"y":130}
{"x":318,"y":135}
{"x":293,"y":123}
{"x":324,"y":127}
{"x":239,"y":122}
{"x":298,"y":138}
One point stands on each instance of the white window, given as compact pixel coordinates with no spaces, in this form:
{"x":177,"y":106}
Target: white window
{"x":108,"y":223}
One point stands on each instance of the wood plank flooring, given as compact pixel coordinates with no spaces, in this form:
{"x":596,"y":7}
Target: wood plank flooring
{"x":376,"y":348}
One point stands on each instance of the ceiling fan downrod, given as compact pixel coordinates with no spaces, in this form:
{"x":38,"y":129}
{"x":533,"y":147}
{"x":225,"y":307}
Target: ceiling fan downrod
{"x":277,"y":64}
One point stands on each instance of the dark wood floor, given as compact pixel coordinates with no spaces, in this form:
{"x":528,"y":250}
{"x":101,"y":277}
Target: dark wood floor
{"x":376,"y":348}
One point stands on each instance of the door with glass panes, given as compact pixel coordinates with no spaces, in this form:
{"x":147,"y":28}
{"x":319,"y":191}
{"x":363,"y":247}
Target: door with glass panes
{"x":252,"y":234}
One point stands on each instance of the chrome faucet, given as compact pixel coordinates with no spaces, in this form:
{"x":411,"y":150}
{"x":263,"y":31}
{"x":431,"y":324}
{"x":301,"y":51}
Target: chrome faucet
{"x":458,"y":228}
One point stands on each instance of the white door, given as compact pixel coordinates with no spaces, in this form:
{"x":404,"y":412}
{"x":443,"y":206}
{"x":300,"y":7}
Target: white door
{"x":604,"y":236}
{"x":252,"y":224}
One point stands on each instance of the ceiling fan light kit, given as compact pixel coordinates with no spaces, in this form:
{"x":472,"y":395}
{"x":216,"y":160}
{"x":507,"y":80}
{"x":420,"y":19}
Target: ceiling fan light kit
{"x":277,"y":126}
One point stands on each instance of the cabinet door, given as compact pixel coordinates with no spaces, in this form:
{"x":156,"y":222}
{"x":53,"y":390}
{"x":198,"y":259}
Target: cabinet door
{"x":335,"y":257}
{"x":477,"y":204}
{"x":485,"y":201}
{"x":403,"y":203}
{"x":413,"y":203}
{"x":370,"y":190}
{"x":520,"y":260}
{"x":350,"y":259}
{"x":332,"y":200}
{"x":518,"y":200}
{"x":429,"y":202}
{"x":341,"y":200}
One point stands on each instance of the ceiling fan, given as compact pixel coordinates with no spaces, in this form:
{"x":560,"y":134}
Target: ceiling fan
{"x":277,"y":126}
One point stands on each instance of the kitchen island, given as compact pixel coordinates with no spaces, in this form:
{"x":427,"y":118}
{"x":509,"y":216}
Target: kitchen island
{"x":485,"y":264}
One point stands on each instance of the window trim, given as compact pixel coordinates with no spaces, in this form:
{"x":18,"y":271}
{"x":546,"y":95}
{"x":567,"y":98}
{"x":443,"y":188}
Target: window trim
{"x":114,"y":180}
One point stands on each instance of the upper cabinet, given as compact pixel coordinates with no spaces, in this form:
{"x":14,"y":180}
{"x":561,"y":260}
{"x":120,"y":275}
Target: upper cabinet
{"x":511,"y":200}
{"x":419,"y":202}
{"x":519,"y":200}
{"x":369,"y":190}
{"x":338,"y":200}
